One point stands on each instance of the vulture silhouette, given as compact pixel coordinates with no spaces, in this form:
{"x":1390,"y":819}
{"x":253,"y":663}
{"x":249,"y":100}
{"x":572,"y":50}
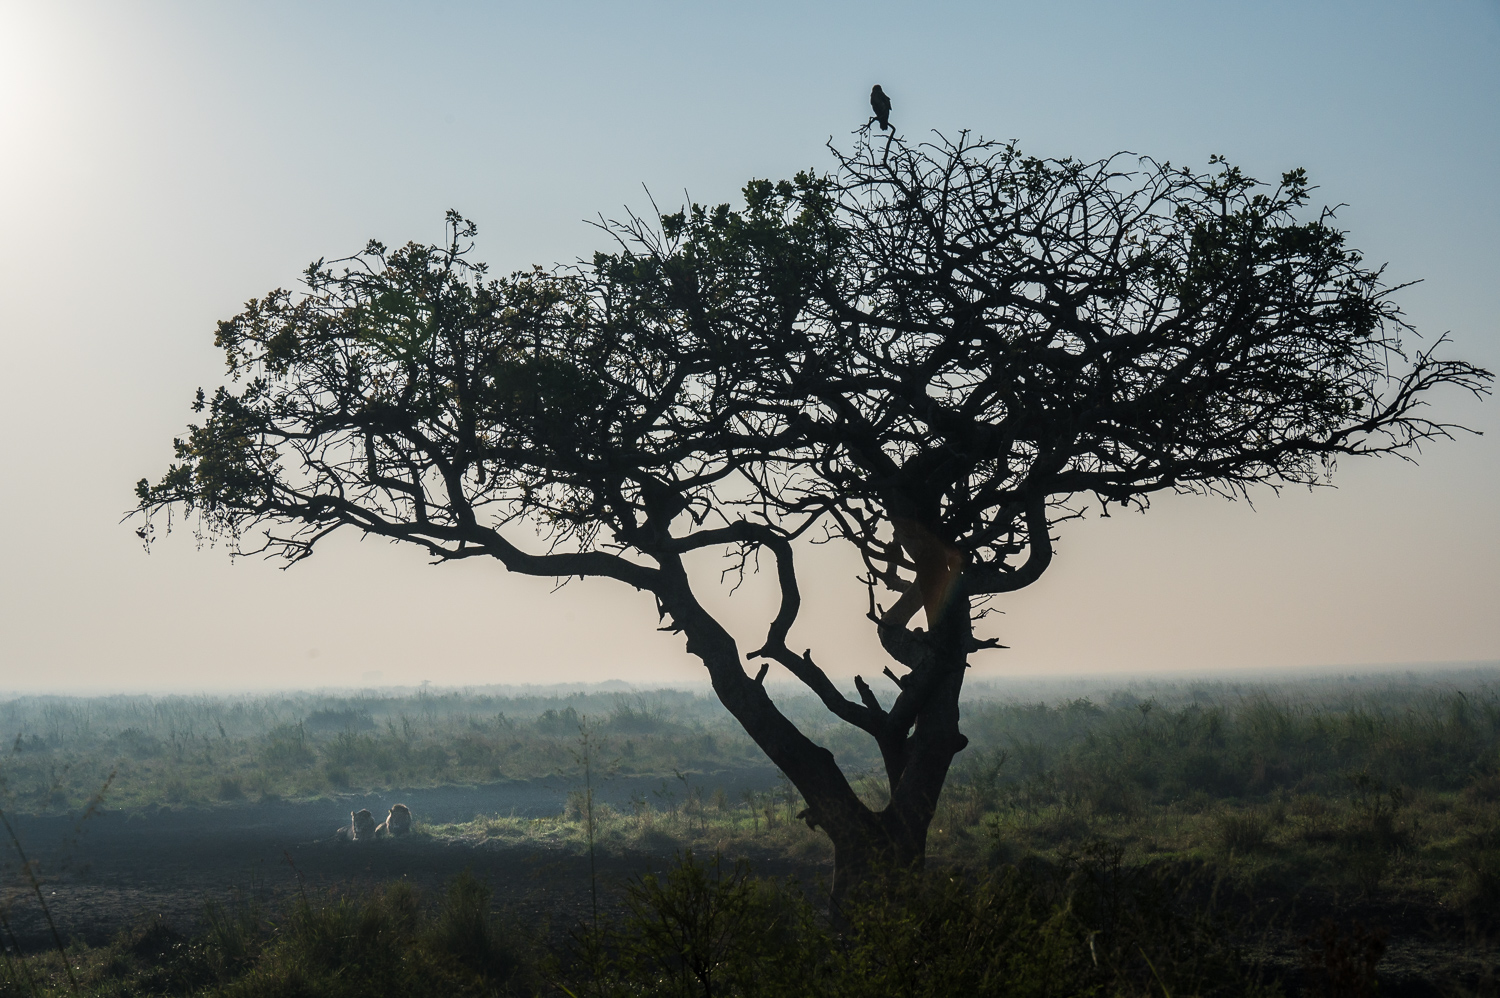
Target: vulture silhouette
{"x":881,"y":105}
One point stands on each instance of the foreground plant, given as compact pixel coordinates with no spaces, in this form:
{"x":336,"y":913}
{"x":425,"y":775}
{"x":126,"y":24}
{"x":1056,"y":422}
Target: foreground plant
{"x":936,"y":354}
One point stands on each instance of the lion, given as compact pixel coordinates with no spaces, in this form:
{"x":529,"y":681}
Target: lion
{"x":361,"y":827}
{"x":398,"y":822}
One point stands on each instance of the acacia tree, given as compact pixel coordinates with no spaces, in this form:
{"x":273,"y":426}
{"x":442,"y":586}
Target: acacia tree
{"x":936,"y":354}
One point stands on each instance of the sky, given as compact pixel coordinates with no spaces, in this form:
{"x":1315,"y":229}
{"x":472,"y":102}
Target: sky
{"x":160,"y":163}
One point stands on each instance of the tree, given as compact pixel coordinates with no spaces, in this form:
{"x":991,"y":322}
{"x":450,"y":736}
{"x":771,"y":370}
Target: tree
{"x":935,"y":354}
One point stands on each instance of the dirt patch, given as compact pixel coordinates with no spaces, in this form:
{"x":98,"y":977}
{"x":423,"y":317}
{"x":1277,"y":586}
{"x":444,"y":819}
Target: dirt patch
{"x":117,"y":868}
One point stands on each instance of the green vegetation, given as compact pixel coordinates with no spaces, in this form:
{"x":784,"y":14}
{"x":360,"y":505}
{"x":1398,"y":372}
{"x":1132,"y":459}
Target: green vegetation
{"x":1385,"y":786}
{"x":333,"y":946}
{"x":206,"y":750}
{"x":1385,"y":782}
{"x":1395,"y":785}
{"x":1177,"y":839}
{"x":1086,"y":926}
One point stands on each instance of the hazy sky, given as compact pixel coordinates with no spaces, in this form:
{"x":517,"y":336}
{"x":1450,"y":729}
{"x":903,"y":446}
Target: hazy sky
{"x":162,"y":162}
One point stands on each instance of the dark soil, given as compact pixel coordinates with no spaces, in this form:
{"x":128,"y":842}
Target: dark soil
{"x":117,"y":868}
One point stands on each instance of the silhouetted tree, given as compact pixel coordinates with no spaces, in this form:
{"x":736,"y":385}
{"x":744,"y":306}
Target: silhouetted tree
{"x":935,"y":354}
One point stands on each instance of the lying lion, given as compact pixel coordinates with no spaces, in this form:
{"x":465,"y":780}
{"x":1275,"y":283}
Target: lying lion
{"x":398,"y":822}
{"x":362,"y":827}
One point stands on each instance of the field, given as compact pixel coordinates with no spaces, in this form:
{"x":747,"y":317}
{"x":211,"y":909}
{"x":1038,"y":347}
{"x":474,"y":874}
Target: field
{"x":1182,"y":837}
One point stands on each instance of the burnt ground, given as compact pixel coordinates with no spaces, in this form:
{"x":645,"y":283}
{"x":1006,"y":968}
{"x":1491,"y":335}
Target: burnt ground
{"x":1429,"y":948}
{"x":117,"y":868}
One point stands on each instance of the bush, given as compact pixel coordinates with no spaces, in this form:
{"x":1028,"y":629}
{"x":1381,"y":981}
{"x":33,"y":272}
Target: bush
{"x":379,"y":943}
{"x":942,"y":935}
{"x":1484,"y":790}
{"x":286,"y":747}
{"x":1087,"y":926}
{"x":467,"y":931}
{"x":1242,"y":832}
{"x":344,"y":719}
{"x":555,"y":722}
{"x":700,"y":929}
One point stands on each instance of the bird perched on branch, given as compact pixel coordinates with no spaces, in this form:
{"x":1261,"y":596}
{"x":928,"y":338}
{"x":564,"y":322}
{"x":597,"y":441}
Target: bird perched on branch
{"x":881,"y":104}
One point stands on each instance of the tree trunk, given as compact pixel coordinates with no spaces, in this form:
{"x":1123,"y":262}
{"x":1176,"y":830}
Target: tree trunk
{"x":866,"y":851}
{"x":867,"y":844}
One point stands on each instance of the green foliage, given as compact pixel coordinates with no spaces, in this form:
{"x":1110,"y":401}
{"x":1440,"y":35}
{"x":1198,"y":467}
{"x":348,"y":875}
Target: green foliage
{"x":699,"y":930}
{"x":1078,"y":848}
{"x":1374,"y":786}
{"x":201,"y":750}
{"x":1242,"y":831}
{"x":383,"y":942}
{"x":1230,"y":744}
{"x":944,"y":935}
{"x":1089,"y":925}
{"x":467,"y":931}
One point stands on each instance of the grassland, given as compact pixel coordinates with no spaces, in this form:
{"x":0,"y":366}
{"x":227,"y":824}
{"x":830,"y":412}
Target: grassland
{"x":1263,"y":809}
{"x":1391,"y":787}
{"x":200,"y":751}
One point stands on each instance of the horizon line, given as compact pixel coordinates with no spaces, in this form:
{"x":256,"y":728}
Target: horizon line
{"x":1120,"y":677}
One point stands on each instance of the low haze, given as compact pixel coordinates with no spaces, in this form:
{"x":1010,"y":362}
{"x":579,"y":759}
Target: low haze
{"x":161,"y":163}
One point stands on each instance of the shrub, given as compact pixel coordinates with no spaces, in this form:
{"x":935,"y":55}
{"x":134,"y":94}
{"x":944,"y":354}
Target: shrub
{"x":1485,"y":789}
{"x":138,"y":744}
{"x":1086,"y":926}
{"x":940,"y":935}
{"x":347,"y":749}
{"x":700,"y":929}
{"x":380,"y":943}
{"x":555,"y":722}
{"x":345,"y":719}
{"x":1242,"y":832}
{"x":467,"y":931}
{"x":1373,"y":826}
{"x":627,"y":720}
{"x":286,"y":747}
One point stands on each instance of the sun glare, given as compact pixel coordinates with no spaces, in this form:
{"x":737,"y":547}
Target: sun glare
{"x":48,"y":69}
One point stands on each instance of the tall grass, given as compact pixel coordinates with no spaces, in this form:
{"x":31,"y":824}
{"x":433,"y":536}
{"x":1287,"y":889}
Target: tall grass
{"x":1121,"y":755}
{"x":202,"y":750}
{"x":1094,"y":829}
{"x":381,"y":941}
{"x":697,"y":929}
{"x":1189,"y":745}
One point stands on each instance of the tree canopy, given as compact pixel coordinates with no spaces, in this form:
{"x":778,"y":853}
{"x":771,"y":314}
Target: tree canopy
{"x":936,"y":353}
